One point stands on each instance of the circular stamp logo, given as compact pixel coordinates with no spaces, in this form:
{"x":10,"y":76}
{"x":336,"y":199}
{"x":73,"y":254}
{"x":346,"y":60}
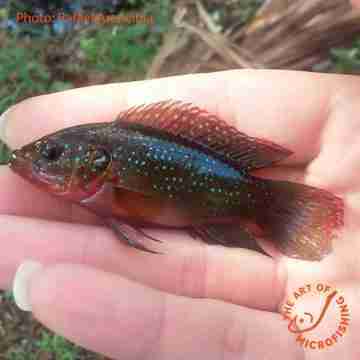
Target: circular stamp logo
{"x":317,"y":315}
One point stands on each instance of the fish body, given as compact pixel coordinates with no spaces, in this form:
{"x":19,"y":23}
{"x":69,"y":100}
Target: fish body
{"x":176,"y":178}
{"x":173,"y":164}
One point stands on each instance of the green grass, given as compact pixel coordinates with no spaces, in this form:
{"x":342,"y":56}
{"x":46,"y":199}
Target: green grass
{"x":347,"y":60}
{"x":127,"y":48}
{"x":24,"y":339}
{"x":241,"y":10}
{"x":22,"y":71}
{"x":28,"y":68}
{"x":57,"y":345}
{"x":48,"y":345}
{"x":20,"y":354}
{"x":8,"y":295}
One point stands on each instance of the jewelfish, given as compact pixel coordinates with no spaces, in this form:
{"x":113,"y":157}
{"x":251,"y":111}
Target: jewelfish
{"x":172,"y":164}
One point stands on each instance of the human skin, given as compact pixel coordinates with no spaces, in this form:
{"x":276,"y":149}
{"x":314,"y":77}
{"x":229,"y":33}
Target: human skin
{"x":197,"y":300}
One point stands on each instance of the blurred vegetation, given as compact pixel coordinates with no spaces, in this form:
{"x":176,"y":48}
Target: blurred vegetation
{"x":241,"y":10}
{"x":48,"y":346}
{"x":32,"y":66}
{"x":127,"y":49}
{"x":23,"y":73}
{"x":22,"y":338}
{"x":347,"y":60}
{"x":36,"y":60}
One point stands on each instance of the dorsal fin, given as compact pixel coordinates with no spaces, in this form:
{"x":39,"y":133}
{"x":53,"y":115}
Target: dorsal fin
{"x":206,"y":130}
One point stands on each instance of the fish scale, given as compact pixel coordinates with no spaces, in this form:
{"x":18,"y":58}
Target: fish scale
{"x":172,"y":164}
{"x":180,"y":172}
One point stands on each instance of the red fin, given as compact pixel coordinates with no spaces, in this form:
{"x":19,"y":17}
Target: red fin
{"x":206,"y":130}
{"x":300,"y":220}
{"x":229,"y":235}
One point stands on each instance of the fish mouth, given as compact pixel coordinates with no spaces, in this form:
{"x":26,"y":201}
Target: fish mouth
{"x":22,"y":164}
{"x":66,"y":186}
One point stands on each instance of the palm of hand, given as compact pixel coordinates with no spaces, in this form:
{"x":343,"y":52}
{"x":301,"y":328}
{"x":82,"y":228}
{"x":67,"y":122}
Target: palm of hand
{"x":325,"y":119}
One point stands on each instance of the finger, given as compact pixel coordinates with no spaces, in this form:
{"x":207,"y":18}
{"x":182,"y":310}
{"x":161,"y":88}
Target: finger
{"x":355,"y":3}
{"x":136,"y":322}
{"x":260,"y":103}
{"x":18,"y":197}
{"x":186,"y":267}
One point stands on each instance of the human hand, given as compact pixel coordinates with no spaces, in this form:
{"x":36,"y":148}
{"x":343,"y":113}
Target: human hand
{"x":196,"y":300}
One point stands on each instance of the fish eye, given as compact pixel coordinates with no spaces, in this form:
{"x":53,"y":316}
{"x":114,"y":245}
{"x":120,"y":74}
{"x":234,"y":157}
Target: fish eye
{"x":51,"y":151}
{"x":100,"y":159}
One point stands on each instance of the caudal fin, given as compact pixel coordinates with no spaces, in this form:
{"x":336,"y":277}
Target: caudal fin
{"x":300,"y":220}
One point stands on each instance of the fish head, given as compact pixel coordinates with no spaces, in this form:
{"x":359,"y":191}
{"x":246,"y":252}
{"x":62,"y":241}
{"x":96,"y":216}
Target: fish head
{"x":69,"y":163}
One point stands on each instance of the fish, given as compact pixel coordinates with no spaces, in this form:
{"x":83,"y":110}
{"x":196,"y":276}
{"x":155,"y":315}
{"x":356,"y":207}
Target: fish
{"x":172,"y":164}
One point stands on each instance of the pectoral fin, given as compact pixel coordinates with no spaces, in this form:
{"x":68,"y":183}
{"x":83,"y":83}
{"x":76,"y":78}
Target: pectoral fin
{"x":130,"y":235}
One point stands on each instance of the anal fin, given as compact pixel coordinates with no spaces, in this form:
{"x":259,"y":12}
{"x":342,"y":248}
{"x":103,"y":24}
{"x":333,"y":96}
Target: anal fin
{"x":228,"y":235}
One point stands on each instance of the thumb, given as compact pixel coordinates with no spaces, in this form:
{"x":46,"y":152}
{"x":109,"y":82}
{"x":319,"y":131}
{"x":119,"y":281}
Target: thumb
{"x":355,"y":3}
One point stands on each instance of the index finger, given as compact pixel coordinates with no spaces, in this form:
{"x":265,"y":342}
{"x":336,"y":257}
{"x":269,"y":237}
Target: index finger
{"x":282,"y":106}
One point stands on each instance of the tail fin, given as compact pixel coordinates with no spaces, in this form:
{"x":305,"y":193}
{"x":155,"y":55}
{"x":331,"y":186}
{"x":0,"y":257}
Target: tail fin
{"x":300,"y":220}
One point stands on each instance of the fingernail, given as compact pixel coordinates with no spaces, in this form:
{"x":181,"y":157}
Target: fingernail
{"x":21,"y":286}
{"x":4,"y":119}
